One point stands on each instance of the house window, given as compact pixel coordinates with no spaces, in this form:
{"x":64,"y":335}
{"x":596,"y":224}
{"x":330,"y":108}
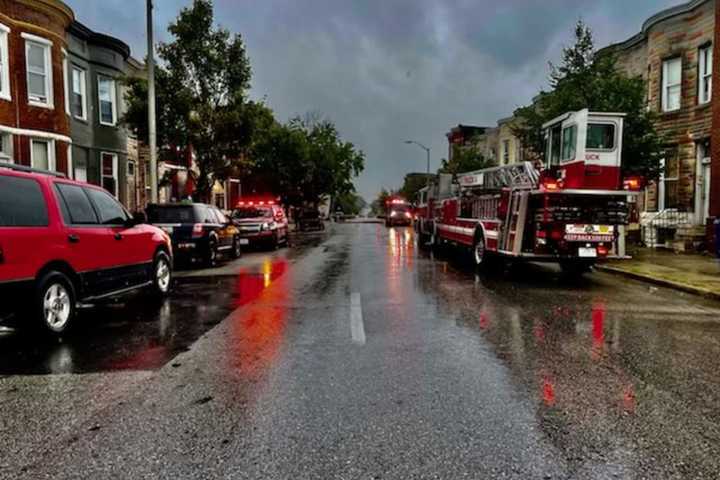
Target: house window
{"x":130,"y":168}
{"x":4,"y":63}
{"x":506,"y":152}
{"x":66,"y":83}
{"x":109,"y":168}
{"x":78,"y":105}
{"x":80,"y":164}
{"x":670,"y":179}
{"x":705,"y":74}
{"x":106,"y":98}
{"x":569,"y":139}
{"x":671,"y":84}
{"x":6,"y":148}
{"x":42,"y":154}
{"x":39,"y":71}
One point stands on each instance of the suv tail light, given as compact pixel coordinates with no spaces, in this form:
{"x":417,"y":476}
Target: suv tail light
{"x":197,"y":230}
{"x":2,"y":256}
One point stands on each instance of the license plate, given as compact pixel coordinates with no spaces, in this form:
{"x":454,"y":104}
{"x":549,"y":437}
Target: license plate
{"x":582,"y":229}
{"x":587,"y":252}
{"x":244,"y":241}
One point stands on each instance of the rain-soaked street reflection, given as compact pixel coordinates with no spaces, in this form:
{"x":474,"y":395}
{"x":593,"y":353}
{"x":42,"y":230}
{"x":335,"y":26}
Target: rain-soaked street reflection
{"x":135,"y":333}
{"x":619,"y":375}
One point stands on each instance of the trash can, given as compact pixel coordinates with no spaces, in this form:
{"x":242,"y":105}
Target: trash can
{"x":716,"y":232}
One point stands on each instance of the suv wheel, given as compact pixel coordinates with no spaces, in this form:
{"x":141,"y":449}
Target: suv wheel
{"x":236,"y":250}
{"x":54,"y":303}
{"x":162,"y":275}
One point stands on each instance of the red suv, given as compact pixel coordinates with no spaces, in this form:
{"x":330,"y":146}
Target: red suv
{"x":64,"y":242}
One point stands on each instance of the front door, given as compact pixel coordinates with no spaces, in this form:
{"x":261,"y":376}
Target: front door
{"x":702,"y":184}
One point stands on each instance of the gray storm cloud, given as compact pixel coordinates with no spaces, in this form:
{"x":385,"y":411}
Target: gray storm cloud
{"x":390,"y":70}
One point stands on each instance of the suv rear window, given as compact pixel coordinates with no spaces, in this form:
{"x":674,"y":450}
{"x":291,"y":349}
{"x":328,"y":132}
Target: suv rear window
{"x":171,"y":214}
{"x":22,"y":203}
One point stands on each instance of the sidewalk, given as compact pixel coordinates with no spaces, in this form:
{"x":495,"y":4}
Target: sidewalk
{"x":693,"y":273}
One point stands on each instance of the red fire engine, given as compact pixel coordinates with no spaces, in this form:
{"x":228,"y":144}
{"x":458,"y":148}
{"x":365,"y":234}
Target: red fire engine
{"x":572,"y":210}
{"x":398,"y":211}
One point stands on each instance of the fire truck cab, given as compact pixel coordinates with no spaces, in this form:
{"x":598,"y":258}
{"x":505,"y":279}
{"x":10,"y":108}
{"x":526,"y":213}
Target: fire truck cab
{"x":583,"y":150}
{"x":571,"y":210}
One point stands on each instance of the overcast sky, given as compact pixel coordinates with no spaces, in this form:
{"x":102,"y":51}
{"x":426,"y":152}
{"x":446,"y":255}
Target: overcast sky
{"x":389,"y":70}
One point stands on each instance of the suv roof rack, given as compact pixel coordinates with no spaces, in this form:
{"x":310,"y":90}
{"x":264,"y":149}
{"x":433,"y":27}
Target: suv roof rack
{"x":23,"y":168}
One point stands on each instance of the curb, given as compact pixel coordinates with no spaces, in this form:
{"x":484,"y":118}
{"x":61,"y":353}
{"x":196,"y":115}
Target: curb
{"x":660,"y":282}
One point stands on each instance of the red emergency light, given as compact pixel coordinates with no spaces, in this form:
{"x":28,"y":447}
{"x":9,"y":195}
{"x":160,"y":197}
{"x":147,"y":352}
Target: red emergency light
{"x":250,"y":203}
{"x":550,"y":185}
{"x":632,"y":183}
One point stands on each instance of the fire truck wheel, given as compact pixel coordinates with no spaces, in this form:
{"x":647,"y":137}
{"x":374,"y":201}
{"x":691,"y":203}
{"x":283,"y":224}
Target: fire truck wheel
{"x":479,"y":253}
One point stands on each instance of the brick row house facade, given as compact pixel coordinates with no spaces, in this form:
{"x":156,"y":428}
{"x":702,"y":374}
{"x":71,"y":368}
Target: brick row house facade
{"x":61,"y":102}
{"x":673,"y":52}
{"x":34,"y":127}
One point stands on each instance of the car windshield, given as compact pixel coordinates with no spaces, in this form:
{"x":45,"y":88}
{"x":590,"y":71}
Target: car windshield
{"x":171,"y":214}
{"x":252,"y":212}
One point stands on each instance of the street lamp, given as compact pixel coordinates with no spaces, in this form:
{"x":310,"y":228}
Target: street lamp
{"x":427,"y":150}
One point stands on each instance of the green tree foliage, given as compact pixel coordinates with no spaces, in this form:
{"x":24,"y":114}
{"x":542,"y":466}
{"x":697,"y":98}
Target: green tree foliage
{"x":377,"y":207}
{"x":349,"y":203}
{"x":306,"y":160}
{"x":464,"y":159}
{"x":586,"y":79}
{"x":202,"y":84}
{"x":412,"y":184}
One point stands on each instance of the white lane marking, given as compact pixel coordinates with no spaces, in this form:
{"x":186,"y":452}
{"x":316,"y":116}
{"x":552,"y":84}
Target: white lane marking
{"x":357,"y":328}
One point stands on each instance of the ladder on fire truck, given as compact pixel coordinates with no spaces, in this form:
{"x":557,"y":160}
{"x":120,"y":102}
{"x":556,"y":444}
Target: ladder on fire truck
{"x":520,"y":178}
{"x":514,"y":176}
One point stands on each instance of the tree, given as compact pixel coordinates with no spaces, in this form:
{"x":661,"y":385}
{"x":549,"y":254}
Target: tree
{"x":306,"y":160}
{"x":412,"y":183}
{"x":588,"y":79}
{"x":349,"y":203}
{"x":464,"y":159}
{"x":201,"y":97}
{"x":377,"y":207}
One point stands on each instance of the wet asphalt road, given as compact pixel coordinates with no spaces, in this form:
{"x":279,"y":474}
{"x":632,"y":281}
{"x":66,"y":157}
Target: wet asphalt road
{"x":354,"y":355}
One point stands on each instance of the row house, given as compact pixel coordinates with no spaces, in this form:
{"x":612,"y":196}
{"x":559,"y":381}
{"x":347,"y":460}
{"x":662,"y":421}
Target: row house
{"x":94,"y":66}
{"x":34,"y":124}
{"x":61,"y":96}
{"x":497,"y":144}
{"x":673,"y":52}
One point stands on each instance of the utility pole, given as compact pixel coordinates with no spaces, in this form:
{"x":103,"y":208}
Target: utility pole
{"x":152,"y":134}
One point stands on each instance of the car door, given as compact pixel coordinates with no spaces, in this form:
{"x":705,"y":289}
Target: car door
{"x":90,"y":247}
{"x":128,"y":246}
{"x":226,"y":230}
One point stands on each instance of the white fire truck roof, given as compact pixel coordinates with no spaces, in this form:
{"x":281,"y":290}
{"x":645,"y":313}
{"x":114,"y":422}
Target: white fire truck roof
{"x":567,"y":115}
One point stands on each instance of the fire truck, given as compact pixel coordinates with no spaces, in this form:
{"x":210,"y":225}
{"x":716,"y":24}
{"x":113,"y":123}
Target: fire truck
{"x":571,"y":210}
{"x":398,"y":211}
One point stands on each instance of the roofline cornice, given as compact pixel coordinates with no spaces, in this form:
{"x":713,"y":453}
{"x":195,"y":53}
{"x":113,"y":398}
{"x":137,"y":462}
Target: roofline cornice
{"x":661,"y":16}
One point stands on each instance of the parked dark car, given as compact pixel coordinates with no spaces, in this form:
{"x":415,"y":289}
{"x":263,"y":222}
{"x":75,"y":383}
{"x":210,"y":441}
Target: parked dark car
{"x":198,"y":231}
{"x":261,"y":223}
{"x":64,"y":242}
{"x":310,"y":219}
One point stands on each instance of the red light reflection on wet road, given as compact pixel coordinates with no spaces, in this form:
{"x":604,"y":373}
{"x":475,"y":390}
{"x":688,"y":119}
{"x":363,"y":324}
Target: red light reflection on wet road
{"x":598,"y":330}
{"x":258,"y":327}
